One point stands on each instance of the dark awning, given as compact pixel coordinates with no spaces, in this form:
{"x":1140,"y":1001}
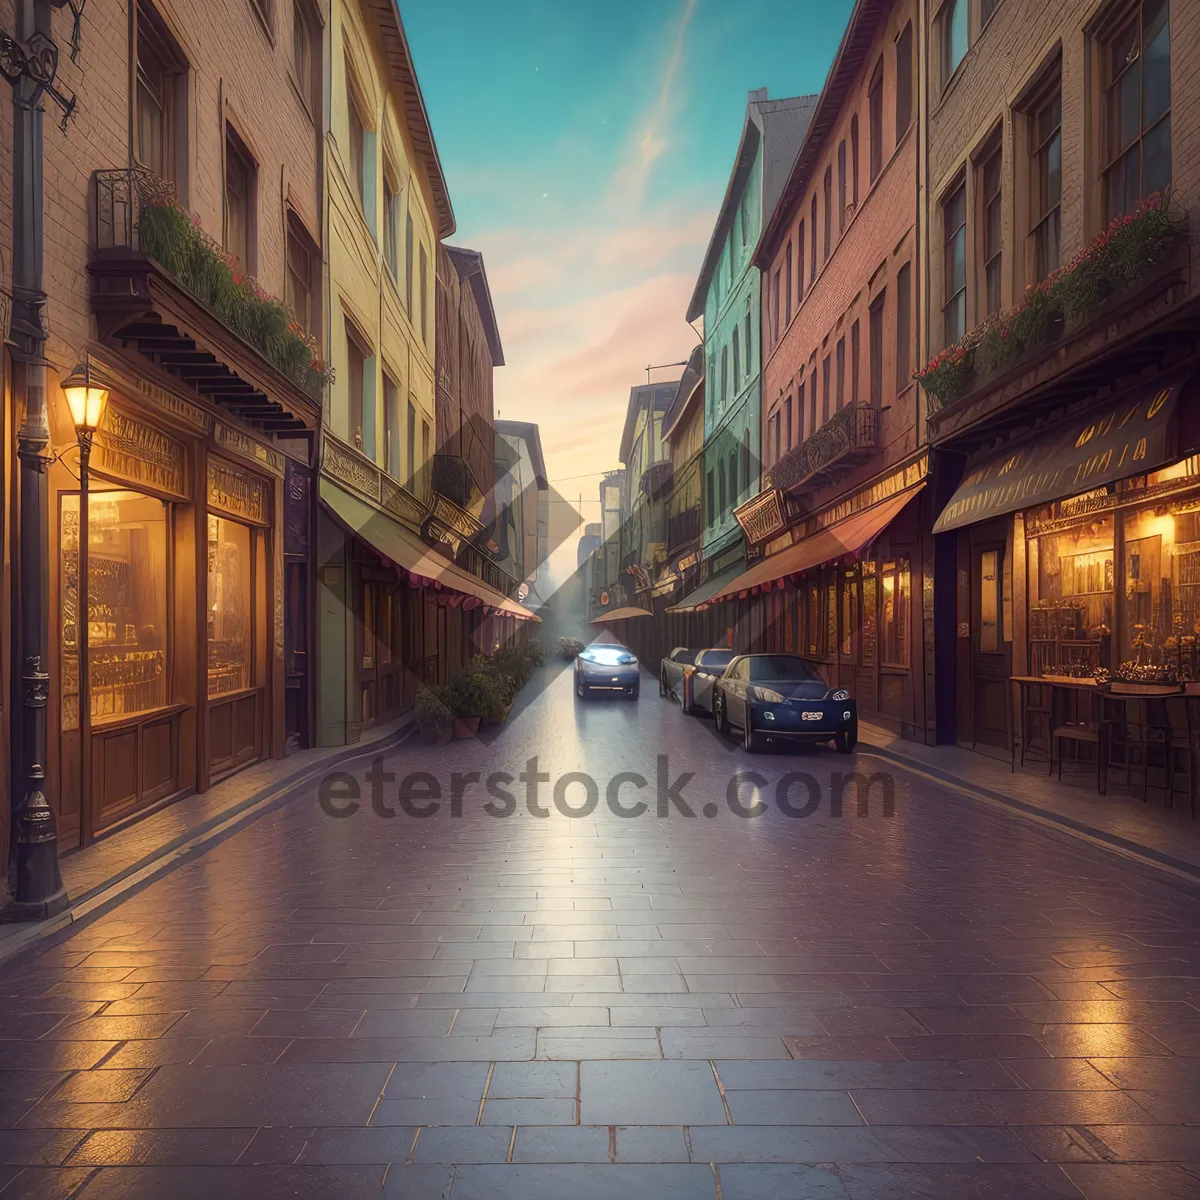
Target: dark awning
{"x":708,"y":589}
{"x":1125,"y":437}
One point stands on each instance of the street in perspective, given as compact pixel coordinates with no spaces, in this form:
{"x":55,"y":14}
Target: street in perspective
{"x":600,"y":604}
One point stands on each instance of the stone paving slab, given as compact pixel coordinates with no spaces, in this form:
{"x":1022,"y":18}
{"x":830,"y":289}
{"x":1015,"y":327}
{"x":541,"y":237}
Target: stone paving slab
{"x":950,"y":1002}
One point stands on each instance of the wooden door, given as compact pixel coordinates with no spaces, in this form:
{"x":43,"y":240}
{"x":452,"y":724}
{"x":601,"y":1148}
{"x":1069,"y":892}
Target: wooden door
{"x":991,"y":648}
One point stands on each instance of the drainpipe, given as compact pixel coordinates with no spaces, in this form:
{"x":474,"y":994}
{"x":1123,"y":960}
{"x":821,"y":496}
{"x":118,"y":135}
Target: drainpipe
{"x":39,"y":887}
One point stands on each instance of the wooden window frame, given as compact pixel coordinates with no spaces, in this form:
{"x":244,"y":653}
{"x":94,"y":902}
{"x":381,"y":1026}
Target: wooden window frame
{"x":156,"y":40}
{"x":989,"y":168}
{"x":238,"y":153}
{"x":300,"y":242}
{"x":1042,"y":216}
{"x":955,"y":194}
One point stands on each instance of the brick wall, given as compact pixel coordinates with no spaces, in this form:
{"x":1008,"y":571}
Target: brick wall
{"x":878,"y":240}
{"x":238,"y":71}
{"x":987,"y":91}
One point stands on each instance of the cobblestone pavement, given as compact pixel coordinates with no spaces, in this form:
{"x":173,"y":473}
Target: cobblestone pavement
{"x":946,"y":1002}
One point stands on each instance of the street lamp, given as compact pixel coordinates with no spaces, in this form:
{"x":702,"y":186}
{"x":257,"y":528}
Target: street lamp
{"x":87,"y":402}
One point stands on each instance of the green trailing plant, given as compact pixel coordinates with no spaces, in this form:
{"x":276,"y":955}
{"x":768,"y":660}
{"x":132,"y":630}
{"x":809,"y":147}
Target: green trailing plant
{"x":174,"y":238}
{"x":1117,"y":260}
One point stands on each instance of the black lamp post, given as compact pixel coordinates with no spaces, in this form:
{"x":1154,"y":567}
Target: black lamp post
{"x":87,"y":402}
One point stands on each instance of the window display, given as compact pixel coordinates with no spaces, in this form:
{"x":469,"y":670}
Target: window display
{"x":127,"y":604}
{"x":1071,"y":581}
{"x":869,"y":594}
{"x":230,"y":576}
{"x":896,"y":581}
{"x":1160,"y":625}
{"x":849,"y":612}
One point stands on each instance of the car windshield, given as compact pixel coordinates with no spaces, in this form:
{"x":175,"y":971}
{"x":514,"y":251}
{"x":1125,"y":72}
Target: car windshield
{"x":715,"y":658}
{"x":608,"y":656}
{"x":683,"y":655}
{"x":780,"y":667}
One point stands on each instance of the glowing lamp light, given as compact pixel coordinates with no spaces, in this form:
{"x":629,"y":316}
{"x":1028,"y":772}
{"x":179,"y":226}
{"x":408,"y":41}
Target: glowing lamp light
{"x":85,"y":399}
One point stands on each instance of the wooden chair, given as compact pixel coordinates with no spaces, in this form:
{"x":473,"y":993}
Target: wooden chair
{"x":1082,"y":733}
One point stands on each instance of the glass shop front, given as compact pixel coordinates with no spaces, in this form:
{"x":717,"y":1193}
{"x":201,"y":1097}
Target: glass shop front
{"x":175,"y":645}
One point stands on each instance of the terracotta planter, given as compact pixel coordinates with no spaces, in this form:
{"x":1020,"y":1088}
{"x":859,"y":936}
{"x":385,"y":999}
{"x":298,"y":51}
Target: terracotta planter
{"x":436,"y":735}
{"x":466,"y":727}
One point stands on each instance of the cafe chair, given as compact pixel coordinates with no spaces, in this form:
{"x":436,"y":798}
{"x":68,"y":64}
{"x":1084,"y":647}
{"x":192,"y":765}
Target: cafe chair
{"x":1155,"y":746}
{"x":1081,"y":734}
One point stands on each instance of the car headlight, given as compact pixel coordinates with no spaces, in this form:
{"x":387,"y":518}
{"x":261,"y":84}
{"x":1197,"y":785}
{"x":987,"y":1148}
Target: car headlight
{"x":627,"y":660}
{"x":766,"y":694}
{"x":840,"y":694}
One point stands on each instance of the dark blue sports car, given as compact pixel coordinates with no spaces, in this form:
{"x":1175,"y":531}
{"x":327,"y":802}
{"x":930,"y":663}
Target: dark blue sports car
{"x":776,"y":698}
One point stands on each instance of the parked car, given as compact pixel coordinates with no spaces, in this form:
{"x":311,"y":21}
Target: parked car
{"x":698,"y":679}
{"x":774,"y":698}
{"x":607,"y":668}
{"x":670,"y":672}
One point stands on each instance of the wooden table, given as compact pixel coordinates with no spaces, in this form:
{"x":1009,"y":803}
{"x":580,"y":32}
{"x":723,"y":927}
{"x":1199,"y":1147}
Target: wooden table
{"x":1024,"y":683}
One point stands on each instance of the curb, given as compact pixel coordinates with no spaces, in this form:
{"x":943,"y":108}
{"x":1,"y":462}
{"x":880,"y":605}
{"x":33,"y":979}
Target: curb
{"x":189,"y":844}
{"x":1145,"y":855}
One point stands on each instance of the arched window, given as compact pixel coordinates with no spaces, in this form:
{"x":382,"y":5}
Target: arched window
{"x":746,"y":459}
{"x":737,"y":359}
{"x":733,"y":478}
{"x":721,"y":489}
{"x":725,"y":375}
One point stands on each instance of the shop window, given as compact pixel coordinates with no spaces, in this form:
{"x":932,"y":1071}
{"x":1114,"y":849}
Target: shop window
{"x":869,"y":638}
{"x":230,"y":607}
{"x":1071,"y":585}
{"x":991,"y":633}
{"x":821,"y":614}
{"x":1137,"y":107}
{"x":127,"y":604}
{"x":1160,"y":618}
{"x":849,"y":613}
{"x":896,"y":600}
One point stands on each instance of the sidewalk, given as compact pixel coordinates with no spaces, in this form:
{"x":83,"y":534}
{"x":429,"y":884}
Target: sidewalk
{"x":121,"y":861}
{"x":1158,"y":835}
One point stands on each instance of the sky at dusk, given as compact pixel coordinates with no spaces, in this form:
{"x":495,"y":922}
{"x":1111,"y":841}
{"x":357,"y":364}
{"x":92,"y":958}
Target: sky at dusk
{"x":587,"y":149}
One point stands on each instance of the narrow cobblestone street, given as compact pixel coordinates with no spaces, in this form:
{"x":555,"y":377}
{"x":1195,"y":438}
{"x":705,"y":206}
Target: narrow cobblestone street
{"x":944,"y":1002}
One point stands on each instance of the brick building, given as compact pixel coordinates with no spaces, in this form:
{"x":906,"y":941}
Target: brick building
{"x":183,"y":194}
{"x":1062,"y":189}
{"x":836,"y":548}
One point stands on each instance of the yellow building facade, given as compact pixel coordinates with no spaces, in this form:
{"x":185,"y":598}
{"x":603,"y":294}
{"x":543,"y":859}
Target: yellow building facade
{"x":385,"y":209}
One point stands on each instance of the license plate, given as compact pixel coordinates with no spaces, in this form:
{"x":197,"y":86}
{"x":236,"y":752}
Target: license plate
{"x":811,"y":716}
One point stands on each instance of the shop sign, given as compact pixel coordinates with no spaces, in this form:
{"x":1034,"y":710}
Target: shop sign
{"x":761,"y":516}
{"x":237,"y":442}
{"x":183,"y":410}
{"x":297,"y":490}
{"x":874,"y":493}
{"x":1126,"y":437}
{"x":139,"y":454}
{"x":688,"y":560}
{"x":237,"y":493}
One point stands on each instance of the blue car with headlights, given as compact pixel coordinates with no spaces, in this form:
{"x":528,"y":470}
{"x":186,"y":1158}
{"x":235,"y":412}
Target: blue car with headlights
{"x":607,"y":668}
{"x":775,"y":698}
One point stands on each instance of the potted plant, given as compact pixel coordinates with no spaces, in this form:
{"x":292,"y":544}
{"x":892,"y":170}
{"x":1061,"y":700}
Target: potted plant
{"x":475,"y":696}
{"x":435,"y":719}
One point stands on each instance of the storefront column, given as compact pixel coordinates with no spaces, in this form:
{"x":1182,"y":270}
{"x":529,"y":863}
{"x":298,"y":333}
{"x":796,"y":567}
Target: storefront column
{"x":335,"y":634}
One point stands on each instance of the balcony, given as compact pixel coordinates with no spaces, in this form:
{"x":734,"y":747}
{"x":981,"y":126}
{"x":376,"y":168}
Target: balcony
{"x":161,"y":286}
{"x":847,"y":439}
{"x":656,"y":479}
{"x":1116,"y":308}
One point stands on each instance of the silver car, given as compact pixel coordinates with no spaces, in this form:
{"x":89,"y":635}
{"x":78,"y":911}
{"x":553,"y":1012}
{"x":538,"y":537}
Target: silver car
{"x":698,"y":678}
{"x":670,"y":672}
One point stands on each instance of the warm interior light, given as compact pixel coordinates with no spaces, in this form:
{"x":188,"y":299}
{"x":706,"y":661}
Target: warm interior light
{"x":85,"y":399}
